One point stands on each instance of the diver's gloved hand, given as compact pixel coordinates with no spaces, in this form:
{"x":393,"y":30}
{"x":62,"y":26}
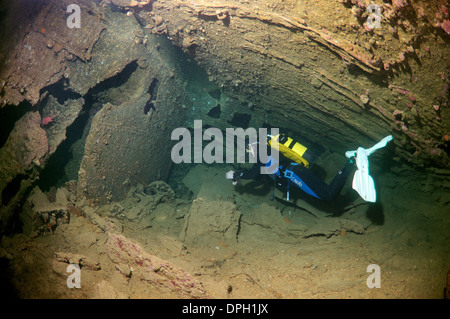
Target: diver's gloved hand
{"x":234,"y":176}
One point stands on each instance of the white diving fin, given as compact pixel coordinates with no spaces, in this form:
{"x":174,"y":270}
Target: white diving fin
{"x":362,"y":181}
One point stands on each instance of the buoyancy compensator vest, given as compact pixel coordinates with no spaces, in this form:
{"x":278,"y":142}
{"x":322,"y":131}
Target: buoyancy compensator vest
{"x":292,"y":149}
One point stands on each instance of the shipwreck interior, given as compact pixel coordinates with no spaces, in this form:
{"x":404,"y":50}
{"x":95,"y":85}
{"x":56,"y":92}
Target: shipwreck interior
{"x":91,"y":93}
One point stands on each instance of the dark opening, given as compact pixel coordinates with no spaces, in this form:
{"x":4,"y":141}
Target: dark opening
{"x":149,"y":106}
{"x":153,"y":91}
{"x":240,"y":120}
{"x":11,"y":189}
{"x":153,"y":87}
{"x":115,"y":81}
{"x":60,"y":92}
{"x":9,"y":115}
{"x":215,"y":112}
{"x":54,"y":173}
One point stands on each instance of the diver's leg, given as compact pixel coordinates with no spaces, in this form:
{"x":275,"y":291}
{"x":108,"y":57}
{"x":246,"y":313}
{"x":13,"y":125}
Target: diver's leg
{"x":339,"y":180}
{"x":324,"y":191}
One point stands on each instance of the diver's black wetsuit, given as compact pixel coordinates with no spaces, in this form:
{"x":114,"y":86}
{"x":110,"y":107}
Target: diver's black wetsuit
{"x":315,"y":186}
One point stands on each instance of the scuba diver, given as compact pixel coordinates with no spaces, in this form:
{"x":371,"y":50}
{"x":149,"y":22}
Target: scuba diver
{"x":293,"y":168}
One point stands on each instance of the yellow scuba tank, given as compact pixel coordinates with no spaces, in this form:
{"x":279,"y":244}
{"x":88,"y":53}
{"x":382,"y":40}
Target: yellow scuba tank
{"x":292,"y":149}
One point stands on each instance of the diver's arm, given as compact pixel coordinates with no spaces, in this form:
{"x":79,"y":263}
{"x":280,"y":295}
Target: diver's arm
{"x":251,"y":173}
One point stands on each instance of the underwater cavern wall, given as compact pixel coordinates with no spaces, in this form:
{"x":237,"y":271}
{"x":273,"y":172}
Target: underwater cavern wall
{"x":115,"y":86}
